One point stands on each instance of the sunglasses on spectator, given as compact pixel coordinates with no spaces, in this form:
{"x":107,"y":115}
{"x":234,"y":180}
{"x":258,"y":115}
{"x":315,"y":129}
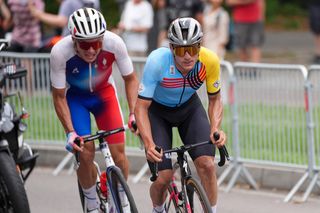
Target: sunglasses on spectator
{"x":181,"y":50}
{"x":85,"y":45}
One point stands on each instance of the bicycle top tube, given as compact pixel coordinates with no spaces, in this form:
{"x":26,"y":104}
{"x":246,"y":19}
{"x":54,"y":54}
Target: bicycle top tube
{"x":104,"y":133}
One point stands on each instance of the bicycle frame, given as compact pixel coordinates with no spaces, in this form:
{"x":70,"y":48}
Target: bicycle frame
{"x":109,"y":163}
{"x":185,"y":172}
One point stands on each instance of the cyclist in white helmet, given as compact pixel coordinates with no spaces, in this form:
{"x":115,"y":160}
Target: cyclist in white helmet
{"x":167,"y":98}
{"x":81,"y":68}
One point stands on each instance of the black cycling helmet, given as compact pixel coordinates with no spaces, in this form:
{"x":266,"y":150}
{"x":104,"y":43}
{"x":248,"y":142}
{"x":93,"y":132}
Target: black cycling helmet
{"x":185,"y":32}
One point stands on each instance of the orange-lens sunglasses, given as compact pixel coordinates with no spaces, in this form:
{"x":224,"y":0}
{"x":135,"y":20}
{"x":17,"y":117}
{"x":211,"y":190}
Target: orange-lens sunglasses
{"x":181,"y":50}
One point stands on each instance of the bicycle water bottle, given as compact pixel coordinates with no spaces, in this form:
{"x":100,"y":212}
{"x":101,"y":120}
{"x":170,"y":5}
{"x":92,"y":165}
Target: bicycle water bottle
{"x":103,"y":184}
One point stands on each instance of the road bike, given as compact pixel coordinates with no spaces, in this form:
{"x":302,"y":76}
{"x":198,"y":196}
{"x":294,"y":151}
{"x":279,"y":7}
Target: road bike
{"x":17,"y":159}
{"x":190,"y":196}
{"x":118,"y":197}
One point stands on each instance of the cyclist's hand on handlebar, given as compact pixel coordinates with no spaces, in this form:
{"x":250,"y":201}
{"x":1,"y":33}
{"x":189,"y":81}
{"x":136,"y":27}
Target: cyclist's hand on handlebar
{"x":153,"y":155}
{"x":132,"y":124}
{"x":222,"y":139}
{"x":71,"y":146}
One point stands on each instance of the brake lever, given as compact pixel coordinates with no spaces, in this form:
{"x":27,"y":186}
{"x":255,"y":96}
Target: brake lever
{"x":222,"y":151}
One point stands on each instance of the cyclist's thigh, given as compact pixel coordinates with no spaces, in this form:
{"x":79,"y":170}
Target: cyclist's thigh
{"x":162,"y":135}
{"x":80,"y":115}
{"x":195,"y":129}
{"x":108,"y":115}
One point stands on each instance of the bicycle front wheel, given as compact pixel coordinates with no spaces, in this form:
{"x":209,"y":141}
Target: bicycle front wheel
{"x":121,"y":195}
{"x":197,"y":197}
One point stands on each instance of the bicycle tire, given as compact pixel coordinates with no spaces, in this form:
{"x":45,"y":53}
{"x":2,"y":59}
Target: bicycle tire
{"x":13,"y":197}
{"x":171,"y":204}
{"x":115,"y":177}
{"x":198,"y":199}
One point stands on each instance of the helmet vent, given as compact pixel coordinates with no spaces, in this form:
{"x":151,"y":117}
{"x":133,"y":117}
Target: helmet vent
{"x":82,"y":25}
{"x":76,"y":23}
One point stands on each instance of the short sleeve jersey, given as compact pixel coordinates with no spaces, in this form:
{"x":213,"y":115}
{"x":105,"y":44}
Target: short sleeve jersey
{"x":69,"y":70}
{"x":164,"y":83}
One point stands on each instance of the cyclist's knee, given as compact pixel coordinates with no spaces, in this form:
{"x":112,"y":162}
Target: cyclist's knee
{"x":205,"y":165}
{"x":164,"y":178}
{"x":86,"y":156}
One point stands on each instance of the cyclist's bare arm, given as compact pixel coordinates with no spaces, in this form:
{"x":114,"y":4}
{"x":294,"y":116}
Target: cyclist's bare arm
{"x":48,"y":18}
{"x":62,"y":109}
{"x":143,"y":123}
{"x":131,"y":86}
{"x":215,"y":112}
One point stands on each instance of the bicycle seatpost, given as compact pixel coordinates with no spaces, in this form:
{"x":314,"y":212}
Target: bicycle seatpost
{"x":222,"y":151}
{"x":154,"y":167}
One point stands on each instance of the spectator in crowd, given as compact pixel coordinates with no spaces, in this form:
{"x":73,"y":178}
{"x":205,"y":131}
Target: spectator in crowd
{"x":216,"y":27}
{"x":5,"y":17}
{"x":67,"y":7}
{"x":26,"y":31}
{"x":314,"y":20}
{"x":248,"y":17}
{"x":121,"y":4}
{"x":185,"y":8}
{"x":180,"y":8}
{"x":135,"y":23}
{"x":158,"y":33}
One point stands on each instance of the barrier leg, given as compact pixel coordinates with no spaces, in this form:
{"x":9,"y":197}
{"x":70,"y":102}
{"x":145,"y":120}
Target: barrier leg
{"x":140,"y":174}
{"x":62,"y":164}
{"x":296,"y":187}
{"x":225,"y":173}
{"x":234,"y":178}
{"x":250,"y":178}
{"x":310,"y":187}
{"x":238,"y":169}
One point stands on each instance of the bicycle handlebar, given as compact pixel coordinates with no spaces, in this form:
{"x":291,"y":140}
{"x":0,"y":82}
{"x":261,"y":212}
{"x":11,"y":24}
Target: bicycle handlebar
{"x":100,"y":134}
{"x":222,"y":151}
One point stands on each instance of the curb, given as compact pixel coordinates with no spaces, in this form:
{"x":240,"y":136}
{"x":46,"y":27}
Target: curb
{"x":267,"y":177}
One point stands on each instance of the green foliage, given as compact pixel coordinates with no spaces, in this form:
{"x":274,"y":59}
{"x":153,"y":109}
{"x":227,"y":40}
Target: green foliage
{"x":109,"y":9}
{"x":111,"y":12}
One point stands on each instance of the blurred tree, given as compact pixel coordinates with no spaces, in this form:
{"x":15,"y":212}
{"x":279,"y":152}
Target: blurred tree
{"x":109,"y":8}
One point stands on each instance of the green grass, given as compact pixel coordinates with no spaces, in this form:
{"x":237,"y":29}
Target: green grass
{"x":267,"y":133}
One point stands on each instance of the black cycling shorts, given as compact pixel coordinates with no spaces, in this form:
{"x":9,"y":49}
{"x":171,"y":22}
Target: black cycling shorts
{"x":193,"y":125}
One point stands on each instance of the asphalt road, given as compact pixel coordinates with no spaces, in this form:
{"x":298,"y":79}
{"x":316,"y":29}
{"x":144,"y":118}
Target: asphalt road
{"x":58,"y":194}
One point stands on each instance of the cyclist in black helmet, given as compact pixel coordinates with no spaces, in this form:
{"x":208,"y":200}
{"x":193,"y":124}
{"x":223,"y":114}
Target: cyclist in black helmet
{"x":167,"y":98}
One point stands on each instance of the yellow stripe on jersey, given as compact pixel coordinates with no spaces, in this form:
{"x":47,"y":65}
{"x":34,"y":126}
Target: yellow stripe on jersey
{"x":212,"y":68}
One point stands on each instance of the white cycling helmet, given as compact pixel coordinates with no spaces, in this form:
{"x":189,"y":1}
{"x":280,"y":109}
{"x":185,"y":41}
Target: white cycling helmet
{"x":87,"y":23}
{"x":184,"y":32}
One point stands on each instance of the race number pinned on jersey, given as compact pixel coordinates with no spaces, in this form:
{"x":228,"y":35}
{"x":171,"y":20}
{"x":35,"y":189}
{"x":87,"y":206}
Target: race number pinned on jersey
{"x":216,"y":84}
{"x":172,"y":70}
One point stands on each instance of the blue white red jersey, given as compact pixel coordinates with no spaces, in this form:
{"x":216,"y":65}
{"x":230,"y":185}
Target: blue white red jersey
{"x":68,"y":70}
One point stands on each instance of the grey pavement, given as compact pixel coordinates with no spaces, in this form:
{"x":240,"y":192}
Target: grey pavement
{"x":58,"y":194}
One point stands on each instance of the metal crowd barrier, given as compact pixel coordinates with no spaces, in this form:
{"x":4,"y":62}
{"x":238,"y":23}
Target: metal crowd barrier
{"x":271,"y":114}
{"x":312,"y":90}
{"x":273,"y":103}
